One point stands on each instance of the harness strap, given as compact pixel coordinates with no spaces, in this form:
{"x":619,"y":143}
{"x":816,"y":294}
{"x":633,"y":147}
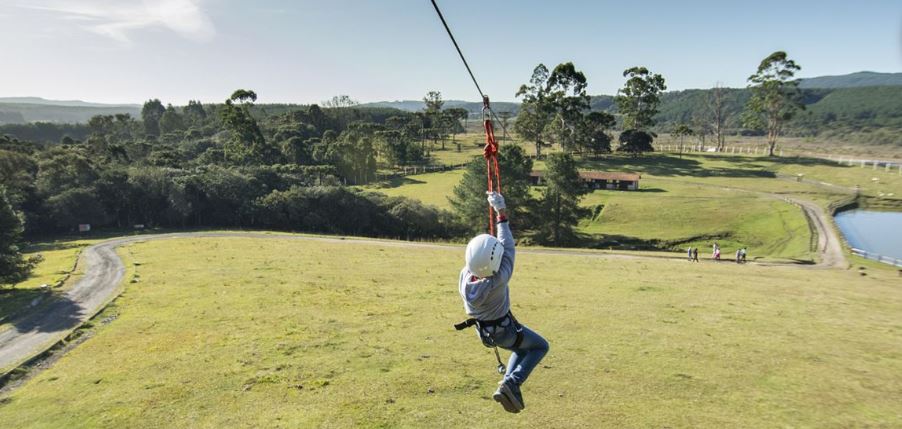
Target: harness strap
{"x":465,"y":324}
{"x":480,"y":324}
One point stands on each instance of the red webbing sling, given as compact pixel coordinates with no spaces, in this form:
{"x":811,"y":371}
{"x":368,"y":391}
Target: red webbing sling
{"x":490,"y":153}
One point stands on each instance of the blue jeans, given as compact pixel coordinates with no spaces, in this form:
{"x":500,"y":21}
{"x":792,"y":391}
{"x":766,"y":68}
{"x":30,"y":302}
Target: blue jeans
{"x":523,"y":358}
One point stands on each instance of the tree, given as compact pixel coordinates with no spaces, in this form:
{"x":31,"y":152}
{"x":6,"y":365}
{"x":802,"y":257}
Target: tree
{"x":638,"y":100}
{"x":719,"y":115}
{"x":194,"y":113}
{"x":775,"y":96}
{"x":552,"y":107}
{"x":505,"y":117}
{"x":536,"y":110}
{"x":171,"y":121}
{"x":434,"y":102}
{"x":436,"y":126}
{"x":636,"y":142}
{"x":340,"y":101}
{"x":559,"y":209}
{"x":248,"y":145}
{"x":453,"y":116}
{"x":594,"y":135}
{"x":468,"y":197}
{"x":566,"y":89}
{"x":151,"y":113}
{"x":13,"y":266}
{"x":681,"y":131}
{"x":353,"y":152}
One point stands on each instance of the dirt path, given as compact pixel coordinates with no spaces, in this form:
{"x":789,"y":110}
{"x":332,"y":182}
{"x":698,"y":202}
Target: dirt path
{"x":34,"y":333}
{"x":829,"y":246}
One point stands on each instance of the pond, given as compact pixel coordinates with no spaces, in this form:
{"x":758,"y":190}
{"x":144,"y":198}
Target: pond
{"x":873,"y":231}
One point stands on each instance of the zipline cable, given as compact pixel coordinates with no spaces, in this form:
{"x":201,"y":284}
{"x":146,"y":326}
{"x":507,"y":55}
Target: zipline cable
{"x":491,"y":146}
{"x":456,"y":46}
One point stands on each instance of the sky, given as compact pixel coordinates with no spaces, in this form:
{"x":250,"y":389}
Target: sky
{"x":302,"y":51}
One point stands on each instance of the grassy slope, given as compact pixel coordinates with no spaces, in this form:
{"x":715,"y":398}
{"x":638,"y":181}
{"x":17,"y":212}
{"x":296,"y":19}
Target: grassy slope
{"x":684,"y":200}
{"x":687,"y":214}
{"x":430,"y":188}
{"x":238,"y":332}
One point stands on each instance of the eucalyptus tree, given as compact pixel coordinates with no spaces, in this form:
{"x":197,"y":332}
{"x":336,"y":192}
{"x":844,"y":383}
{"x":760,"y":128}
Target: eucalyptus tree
{"x":247,"y":144}
{"x":776,"y":97}
{"x":553,"y":104}
{"x":536,"y":109}
{"x":639,"y":98}
{"x":719,"y":115}
{"x":681,"y":131}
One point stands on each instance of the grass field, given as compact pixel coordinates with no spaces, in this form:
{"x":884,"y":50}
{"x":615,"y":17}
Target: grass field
{"x":58,"y":261}
{"x":678,"y":214}
{"x":430,"y":188}
{"x":241,"y":332}
{"x":695,"y":199}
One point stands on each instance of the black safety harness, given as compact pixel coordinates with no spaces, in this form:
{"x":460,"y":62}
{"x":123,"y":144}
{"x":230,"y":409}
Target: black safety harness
{"x":487,"y":335}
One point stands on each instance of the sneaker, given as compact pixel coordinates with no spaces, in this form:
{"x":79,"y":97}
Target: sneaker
{"x":508,"y":394}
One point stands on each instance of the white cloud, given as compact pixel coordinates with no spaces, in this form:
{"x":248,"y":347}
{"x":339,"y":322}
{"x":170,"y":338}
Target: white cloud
{"x":117,"y":19}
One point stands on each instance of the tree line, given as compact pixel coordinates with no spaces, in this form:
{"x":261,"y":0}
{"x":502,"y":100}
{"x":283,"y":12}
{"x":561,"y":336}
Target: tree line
{"x":237,"y":164}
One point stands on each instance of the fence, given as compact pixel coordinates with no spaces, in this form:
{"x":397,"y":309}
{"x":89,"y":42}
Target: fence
{"x":896,"y":262}
{"x":417,"y":169}
{"x":873,"y":164}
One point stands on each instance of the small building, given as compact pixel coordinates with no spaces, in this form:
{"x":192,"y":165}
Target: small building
{"x":598,"y":180}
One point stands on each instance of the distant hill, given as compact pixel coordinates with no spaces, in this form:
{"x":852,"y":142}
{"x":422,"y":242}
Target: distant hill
{"x":71,"y":103}
{"x":22,"y":110}
{"x":12,"y":113}
{"x":852,"y":101}
{"x":474,"y":107}
{"x":853,"y":80}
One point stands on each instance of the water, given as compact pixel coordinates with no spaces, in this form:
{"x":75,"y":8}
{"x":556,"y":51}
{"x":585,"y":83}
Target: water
{"x":873,"y":231}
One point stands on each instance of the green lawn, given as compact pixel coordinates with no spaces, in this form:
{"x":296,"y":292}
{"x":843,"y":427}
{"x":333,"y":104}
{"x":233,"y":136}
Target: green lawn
{"x":679,"y":215}
{"x":241,"y":332}
{"x":58,"y":260}
{"x":430,"y":188}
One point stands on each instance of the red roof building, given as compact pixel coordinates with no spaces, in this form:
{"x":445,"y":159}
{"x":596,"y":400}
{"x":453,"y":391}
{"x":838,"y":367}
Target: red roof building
{"x":598,"y":180}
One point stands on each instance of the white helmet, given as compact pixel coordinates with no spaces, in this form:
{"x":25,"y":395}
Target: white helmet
{"x":484,"y":255}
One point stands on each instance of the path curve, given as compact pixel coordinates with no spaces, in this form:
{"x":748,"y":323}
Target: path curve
{"x":104,"y":271}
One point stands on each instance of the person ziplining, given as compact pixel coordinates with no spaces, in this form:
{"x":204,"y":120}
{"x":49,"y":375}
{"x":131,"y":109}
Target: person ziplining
{"x":484,"y":288}
{"x":484,"y":280}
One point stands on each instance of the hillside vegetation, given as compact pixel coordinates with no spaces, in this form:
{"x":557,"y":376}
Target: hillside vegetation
{"x":853,"y":80}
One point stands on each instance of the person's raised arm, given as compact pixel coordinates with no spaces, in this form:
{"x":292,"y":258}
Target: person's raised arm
{"x":504,"y":235}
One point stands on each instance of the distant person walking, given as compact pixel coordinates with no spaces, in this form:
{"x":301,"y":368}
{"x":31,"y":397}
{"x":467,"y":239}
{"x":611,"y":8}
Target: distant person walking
{"x":744,"y":252}
{"x":689,"y":254}
{"x":695,"y":254}
{"x":716,"y":252}
{"x":738,"y":256}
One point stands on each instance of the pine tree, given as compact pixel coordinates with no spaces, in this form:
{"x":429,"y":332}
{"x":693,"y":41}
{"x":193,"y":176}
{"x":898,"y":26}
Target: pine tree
{"x":468,"y":198}
{"x":559,"y":210}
